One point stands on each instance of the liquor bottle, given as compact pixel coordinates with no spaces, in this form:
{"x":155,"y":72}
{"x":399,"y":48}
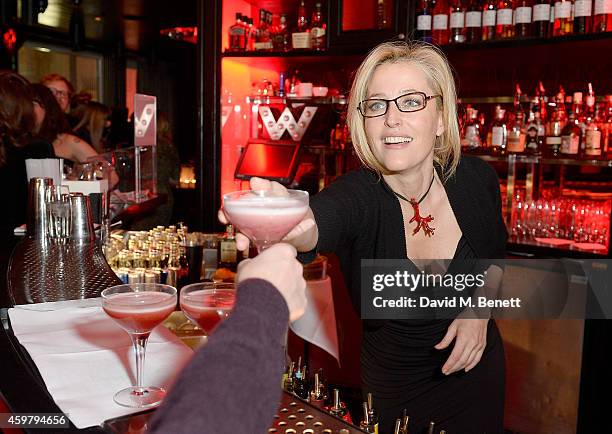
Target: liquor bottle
{"x":516,"y":134}
{"x":602,"y":16}
{"x":317,"y":394}
{"x":564,"y":24}
{"x":365,"y":424}
{"x":471,"y":140}
{"x":263,"y":42}
{"x":572,"y":133}
{"x":300,"y":386}
{"x":372,"y":413}
{"x":280,"y":38}
{"x":531,"y":141}
{"x":523,"y":27}
{"x":318,"y":39}
{"x":592,"y":133}
{"x":457,"y":22}
{"x":237,"y":34}
{"x":227,"y":251}
{"x":249,"y":36}
{"x":440,"y":23}
{"x":473,"y":22}
{"x":489,"y":20}
{"x":499,"y":132}
{"x":338,"y":408}
{"x":424,"y":19}
{"x":288,"y":378}
{"x":583,"y":20}
{"x":504,"y":27}
{"x":541,"y":18}
{"x":301,"y":37}
{"x":607,"y":128}
{"x":382,"y":20}
{"x":405,"y":422}
{"x":554,"y":127}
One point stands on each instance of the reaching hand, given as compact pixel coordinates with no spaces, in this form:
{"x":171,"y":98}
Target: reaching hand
{"x":277,"y":265}
{"x":470,"y":341}
{"x":303,"y":236}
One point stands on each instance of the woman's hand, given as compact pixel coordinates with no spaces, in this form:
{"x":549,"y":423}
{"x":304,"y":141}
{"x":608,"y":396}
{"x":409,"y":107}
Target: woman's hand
{"x":470,"y":337}
{"x":303,"y":236}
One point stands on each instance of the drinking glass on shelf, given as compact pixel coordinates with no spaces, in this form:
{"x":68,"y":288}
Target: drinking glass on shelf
{"x":57,"y":198}
{"x":206,"y":304}
{"x":265,"y":216}
{"x":138,"y":308}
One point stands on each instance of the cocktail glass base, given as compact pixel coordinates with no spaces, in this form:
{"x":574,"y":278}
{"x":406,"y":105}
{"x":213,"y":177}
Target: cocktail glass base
{"x":140,"y":397}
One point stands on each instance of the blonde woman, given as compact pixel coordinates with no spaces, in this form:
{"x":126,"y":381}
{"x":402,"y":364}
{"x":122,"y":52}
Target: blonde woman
{"x":93,"y":119}
{"x":415,"y":198}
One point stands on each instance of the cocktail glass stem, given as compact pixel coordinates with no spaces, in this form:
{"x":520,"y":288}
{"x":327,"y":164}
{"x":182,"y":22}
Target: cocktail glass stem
{"x":140,"y":347}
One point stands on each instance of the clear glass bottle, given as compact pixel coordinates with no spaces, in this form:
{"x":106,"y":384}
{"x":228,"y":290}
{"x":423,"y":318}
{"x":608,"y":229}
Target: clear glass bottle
{"x":237,"y":34}
{"x":499,"y":132}
{"x":517,"y":134}
{"x":504,"y":26}
{"x":300,"y":39}
{"x":571,"y":134}
{"x":471,"y":140}
{"x":592,"y":127}
{"x":457,"y":22}
{"x":554,"y":126}
{"x":440,"y":23}
{"x":564,"y":24}
{"x":318,"y":38}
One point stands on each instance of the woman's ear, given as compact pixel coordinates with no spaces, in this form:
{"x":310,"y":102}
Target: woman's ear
{"x":440,"y":129}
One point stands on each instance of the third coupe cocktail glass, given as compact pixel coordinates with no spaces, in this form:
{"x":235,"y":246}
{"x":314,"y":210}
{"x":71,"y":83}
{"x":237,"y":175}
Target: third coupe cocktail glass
{"x":138,"y":308}
{"x":265,"y":216}
{"x":207,"y":303}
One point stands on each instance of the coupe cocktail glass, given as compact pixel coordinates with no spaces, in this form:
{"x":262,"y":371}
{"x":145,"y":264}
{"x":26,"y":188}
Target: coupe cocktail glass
{"x":265,"y":216}
{"x":138,"y":308}
{"x":207,"y":303}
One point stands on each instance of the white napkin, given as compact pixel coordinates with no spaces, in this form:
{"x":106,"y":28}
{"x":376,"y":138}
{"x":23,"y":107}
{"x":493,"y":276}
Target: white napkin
{"x":84,"y":357}
{"x":45,"y":168}
{"x":318,"y":324}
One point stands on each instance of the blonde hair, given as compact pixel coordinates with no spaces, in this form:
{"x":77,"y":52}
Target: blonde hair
{"x":431,"y":60}
{"x":93,"y":118}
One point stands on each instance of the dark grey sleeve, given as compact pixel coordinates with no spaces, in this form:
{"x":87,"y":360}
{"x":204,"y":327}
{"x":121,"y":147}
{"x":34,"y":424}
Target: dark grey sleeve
{"x":233,"y":384}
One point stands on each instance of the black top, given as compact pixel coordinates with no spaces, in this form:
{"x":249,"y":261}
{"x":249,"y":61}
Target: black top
{"x":358,"y":216}
{"x":14,"y":182}
{"x":232,"y":385}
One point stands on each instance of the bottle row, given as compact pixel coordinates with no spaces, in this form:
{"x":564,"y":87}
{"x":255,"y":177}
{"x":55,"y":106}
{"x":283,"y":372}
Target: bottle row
{"x":274,"y":33}
{"x":315,"y":391}
{"x":471,"y":21}
{"x":560,"y":126}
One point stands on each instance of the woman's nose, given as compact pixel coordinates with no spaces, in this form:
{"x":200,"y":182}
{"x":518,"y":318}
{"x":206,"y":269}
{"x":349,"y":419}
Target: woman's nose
{"x":393,"y":117}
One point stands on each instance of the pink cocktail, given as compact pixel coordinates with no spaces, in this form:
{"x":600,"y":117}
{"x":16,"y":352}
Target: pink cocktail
{"x":138,"y":308}
{"x":265,"y":216}
{"x":207,"y":303}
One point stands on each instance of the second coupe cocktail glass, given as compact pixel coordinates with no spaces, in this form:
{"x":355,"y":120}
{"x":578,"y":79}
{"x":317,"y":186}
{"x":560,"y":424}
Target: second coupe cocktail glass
{"x":265,"y":216}
{"x":138,"y":308}
{"x":207,"y":303}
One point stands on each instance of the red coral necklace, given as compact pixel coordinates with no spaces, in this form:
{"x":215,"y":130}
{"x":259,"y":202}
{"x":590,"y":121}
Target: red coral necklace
{"x":422,"y":222}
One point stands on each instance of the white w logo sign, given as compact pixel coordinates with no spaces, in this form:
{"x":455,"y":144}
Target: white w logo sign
{"x":286,"y":122}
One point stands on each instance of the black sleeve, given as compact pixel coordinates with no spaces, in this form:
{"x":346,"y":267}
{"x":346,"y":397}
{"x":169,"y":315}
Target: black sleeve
{"x":339,"y":214}
{"x":500,"y":232}
{"x":233,"y":384}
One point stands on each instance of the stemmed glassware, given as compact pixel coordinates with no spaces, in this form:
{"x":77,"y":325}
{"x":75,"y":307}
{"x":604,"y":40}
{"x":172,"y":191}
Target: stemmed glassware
{"x":206,"y":304}
{"x":265,"y":216}
{"x":138,"y":308}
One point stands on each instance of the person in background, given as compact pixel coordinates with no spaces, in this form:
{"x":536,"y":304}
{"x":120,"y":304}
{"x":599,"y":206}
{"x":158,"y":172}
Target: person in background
{"x":93,"y":124}
{"x":233,"y":384}
{"x":52,"y":126}
{"x":168,"y":169}
{"x":62,"y":89}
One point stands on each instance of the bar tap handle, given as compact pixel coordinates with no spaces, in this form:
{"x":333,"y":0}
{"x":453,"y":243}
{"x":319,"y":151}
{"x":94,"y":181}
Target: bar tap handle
{"x":398,"y":427}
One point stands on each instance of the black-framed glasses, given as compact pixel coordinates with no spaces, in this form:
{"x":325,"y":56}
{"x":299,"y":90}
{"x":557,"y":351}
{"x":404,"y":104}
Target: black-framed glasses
{"x":409,"y":102}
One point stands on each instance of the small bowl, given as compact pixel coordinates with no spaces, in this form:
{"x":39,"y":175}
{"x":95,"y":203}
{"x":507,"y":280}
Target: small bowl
{"x":319,"y":91}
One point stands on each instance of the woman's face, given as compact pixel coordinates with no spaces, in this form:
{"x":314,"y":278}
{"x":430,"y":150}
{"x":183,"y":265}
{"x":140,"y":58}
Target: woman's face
{"x":39,"y":115}
{"x":402,"y":141}
{"x":61,"y":93}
